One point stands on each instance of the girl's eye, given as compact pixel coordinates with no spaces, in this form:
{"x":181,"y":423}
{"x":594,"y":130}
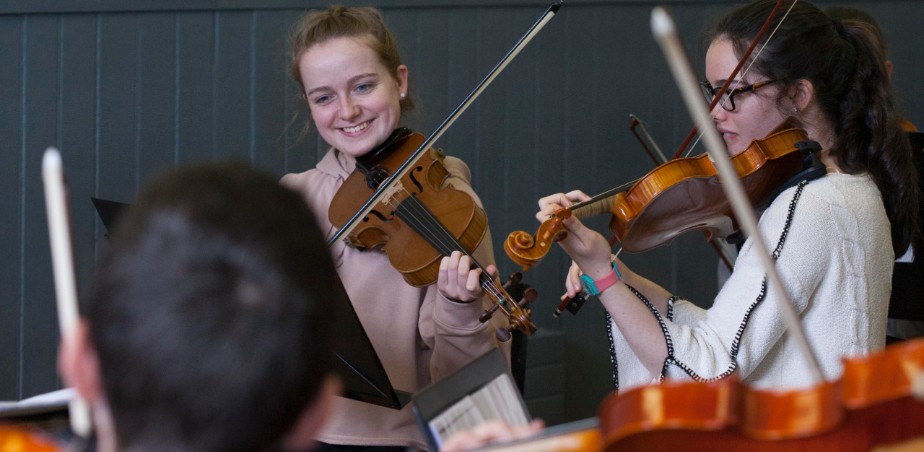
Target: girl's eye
{"x":364,"y":87}
{"x":321,"y":100}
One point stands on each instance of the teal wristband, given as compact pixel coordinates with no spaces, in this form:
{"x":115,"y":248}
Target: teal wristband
{"x":594,"y":288}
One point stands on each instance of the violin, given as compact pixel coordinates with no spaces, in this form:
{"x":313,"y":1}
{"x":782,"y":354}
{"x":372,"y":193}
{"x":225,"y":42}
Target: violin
{"x":420,"y":220}
{"x":400,"y":176}
{"x":14,"y":438}
{"x":682,"y":195}
{"x":874,"y":402}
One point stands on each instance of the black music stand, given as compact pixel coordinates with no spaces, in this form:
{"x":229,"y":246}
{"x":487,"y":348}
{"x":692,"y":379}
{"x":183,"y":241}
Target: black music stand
{"x":907,"y":301}
{"x":360,"y":369}
{"x":108,"y":211}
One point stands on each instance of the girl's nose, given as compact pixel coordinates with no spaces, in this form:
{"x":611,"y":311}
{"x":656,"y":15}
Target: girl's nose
{"x":348,"y":108}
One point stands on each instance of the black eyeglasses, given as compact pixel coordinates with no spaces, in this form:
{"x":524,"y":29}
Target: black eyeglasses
{"x":728,"y":99}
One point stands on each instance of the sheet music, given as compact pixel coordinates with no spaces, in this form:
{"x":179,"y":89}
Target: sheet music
{"x":49,"y":401}
{"x":496,"y":400}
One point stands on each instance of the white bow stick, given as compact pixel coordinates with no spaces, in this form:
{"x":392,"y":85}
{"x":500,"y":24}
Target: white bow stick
{"x":62,"y":258}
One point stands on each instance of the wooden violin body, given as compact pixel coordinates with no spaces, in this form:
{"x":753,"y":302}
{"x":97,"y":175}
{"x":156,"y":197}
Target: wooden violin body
{"x":420,"y":220}
{"x":871,"y":404}
{"x":408,"y":251}
{"x":681,"y":195}
{"x":17,"y":438}
{"x":686,"y":194}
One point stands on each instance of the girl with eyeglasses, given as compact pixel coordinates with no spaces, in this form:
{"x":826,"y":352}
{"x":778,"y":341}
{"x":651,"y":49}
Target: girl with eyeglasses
{"x":837,"y":235}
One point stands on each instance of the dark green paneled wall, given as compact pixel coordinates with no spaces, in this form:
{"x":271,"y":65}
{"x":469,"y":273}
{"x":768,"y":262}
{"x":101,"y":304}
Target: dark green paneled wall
{"x":129,"y":89}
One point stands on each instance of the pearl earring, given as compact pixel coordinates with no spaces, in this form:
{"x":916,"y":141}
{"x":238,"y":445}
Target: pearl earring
{"x":402,"y":95}
{"x":795,"y":109}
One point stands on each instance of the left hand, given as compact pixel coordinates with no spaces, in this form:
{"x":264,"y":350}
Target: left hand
{"x":457,"y":279}
{"x":589,"y":249}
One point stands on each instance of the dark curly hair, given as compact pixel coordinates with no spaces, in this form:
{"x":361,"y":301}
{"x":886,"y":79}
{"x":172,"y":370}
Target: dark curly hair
{"x":846,"y":65}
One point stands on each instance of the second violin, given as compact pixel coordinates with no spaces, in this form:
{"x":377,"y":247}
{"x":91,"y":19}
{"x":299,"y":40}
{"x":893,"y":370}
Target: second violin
{"x":681,"y":195}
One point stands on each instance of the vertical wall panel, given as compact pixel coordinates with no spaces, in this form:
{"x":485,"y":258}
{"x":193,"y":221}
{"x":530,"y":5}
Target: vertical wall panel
{"x":195,"y":61}
{"x":11,"y":145}
{"x":270,"y":77}
{"x":426,"y":53}
{"x":156,"y":99}
{"x":77,"y":122}
{"x":462,"y":76}
{"x":300,"y":152}
{"x":39,"y":322}
{"x":901,"y":25}
{"x":119,"y":101}
{"x":233,"y":94}
{"x":496,"y":34}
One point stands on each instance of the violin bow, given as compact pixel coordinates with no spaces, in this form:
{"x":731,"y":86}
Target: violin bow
{"x":385,"y":187}
{"x":62,"y":258}
{"x":666,"y":34}
{"x":731,"y":78}
{"x":636,"y":123}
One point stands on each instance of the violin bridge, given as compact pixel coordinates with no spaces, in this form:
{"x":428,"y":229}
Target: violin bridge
{"x":389,"y":196}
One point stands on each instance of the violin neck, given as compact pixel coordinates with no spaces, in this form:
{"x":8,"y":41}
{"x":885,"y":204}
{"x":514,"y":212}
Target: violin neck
{"x":598,"y":205}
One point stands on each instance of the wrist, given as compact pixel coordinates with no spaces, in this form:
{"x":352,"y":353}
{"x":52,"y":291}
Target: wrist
{"x":595,"y":287}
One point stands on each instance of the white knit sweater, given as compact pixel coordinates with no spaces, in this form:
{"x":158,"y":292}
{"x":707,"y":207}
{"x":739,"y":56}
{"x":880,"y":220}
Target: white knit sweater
{"x":836,"y":262}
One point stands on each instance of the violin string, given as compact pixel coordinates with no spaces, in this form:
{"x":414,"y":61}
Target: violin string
{"x":600,"y":196}
{"x":418,"y":214}
{"x":413,"y":212}
{"x":748,"y":67}
{"x":424,"y":222}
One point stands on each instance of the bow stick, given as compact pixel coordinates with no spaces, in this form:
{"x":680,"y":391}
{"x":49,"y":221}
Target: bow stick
{"x":62,"y":258}
{"x":385,"y":186}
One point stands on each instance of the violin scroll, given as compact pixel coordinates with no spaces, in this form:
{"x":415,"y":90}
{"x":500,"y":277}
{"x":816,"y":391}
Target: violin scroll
{"x":527,"y":251}
{"x":518,"y":314}
{"x":518,"y":321}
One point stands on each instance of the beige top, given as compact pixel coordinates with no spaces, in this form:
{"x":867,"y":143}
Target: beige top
{"x":419,"y":335}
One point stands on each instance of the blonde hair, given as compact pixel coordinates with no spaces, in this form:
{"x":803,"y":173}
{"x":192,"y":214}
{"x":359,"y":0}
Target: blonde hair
{"x":364,"y":23}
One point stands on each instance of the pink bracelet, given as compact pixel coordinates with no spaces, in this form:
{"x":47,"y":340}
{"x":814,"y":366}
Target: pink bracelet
{"x":596,"y":287}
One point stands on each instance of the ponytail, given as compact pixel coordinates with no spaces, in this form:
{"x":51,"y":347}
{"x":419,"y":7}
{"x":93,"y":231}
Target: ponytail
{"x":868,"y":132}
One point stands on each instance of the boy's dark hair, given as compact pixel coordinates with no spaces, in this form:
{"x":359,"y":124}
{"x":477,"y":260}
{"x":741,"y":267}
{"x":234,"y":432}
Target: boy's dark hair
{"x":207,"y":312}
